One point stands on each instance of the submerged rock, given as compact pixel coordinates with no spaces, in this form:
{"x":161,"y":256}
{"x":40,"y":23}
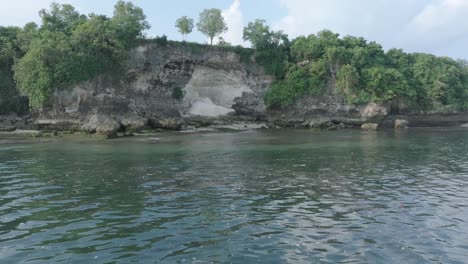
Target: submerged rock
{"x":401,"y":124}
{"x":166,"y":123}
{"x":370,"y":126}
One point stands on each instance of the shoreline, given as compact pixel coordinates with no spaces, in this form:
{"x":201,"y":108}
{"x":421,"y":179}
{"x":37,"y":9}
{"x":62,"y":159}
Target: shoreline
{"x":216,"y":128}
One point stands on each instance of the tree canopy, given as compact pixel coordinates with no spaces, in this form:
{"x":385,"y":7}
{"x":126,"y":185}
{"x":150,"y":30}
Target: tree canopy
{"x":69,"y":47}
{"x":363,"y":72}
{"x":211,"y":23}
{"x":185,"y":26}
{"x":271,"y":47}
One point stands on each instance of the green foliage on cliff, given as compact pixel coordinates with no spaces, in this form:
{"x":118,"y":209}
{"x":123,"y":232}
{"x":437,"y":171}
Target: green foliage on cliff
{"x":360,"y":71}
{"x":70,"y":47}
{"x":271,"y":47}
{"x":10,"y":51}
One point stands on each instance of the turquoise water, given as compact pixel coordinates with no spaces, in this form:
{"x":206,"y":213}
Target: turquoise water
{"x":286,"y":196}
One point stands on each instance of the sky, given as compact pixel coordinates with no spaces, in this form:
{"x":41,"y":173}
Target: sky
{"x":432,"y":26}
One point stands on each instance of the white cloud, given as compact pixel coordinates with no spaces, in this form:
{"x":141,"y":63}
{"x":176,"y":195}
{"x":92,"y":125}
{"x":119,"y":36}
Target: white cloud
{"x":440,"y":24}
{"x":415,"y":25}
{"x":235,"y":22}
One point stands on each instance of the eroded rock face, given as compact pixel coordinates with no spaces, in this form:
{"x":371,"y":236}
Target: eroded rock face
{"x":374,"y":111}
{"x":171,"y":87}
{"x":211,"y":92}
{"x":162,"y":87}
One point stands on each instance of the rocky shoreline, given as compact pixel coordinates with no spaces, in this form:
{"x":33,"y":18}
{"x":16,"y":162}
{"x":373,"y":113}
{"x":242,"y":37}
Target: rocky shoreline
{"x":111,"y":127}
{"x":177,"y":88}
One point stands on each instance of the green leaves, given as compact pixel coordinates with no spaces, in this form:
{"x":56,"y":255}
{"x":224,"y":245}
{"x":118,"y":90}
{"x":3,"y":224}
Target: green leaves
{"x":62,"y":18}
{"x":363,"y":72}
{"x":184,"y":25}
{"x":298,"y":82}
{"x":70,"y":47}
{"x":271,"y":47}
{"x":211,"y":23}
{"x":129,"y":21}
{"x":385,"y":84}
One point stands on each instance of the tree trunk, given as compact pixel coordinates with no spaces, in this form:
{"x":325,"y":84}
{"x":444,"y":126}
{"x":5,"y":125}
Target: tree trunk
{"x":211,"y":41}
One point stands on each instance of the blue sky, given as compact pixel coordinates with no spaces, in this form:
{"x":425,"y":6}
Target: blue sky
{"x":433,"y":26}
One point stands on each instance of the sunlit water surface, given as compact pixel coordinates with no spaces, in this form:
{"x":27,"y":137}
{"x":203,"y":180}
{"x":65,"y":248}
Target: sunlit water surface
{"x":286,"y":196}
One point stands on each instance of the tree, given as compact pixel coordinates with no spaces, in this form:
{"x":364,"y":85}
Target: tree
{"x":130,"y":22}
{"x":69,"y":48}
{"x":63,"y":18}
{"x":49,"y":64}
{"x":257,"y":32}
{"x":211,"y":23}
{"x":271,"y":47}
{"x":348,"y":82}
{"x":9,"y":52}
{"x":385,"y":84}
{"x":27,"y":35}
{"x":185,"y":26}
{"x":98,"y":47}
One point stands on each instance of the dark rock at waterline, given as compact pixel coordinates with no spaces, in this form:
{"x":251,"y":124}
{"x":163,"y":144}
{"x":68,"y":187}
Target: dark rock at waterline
{"x":435,"y":120}
{"x":7,"y":128}
{"x":370,"y":126}
{"x":102,"y":125}
{"x":401,"y":124}
{"x":387,"y":123}
{"x":133,"y":123}
{"x":166,"y":123}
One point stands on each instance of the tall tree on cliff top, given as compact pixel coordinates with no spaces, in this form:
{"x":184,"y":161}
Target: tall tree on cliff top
{"x":130,"y":22}
{"x":63,"y":18}
{"x":185,"y":26}
{"x":212,"y":23}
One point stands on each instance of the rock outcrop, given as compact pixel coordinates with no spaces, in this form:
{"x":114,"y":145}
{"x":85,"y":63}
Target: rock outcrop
{"x":162,"y":87}
{"x":177,"y":86}
{"x":103,"y":125}
{"x":370,"y":126}
{"x":401,"y":124}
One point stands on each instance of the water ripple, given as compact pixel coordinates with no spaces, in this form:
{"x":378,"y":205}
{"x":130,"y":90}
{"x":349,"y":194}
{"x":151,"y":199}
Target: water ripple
{"x":268,"y":197}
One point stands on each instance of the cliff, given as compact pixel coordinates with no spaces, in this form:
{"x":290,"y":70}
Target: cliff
{"x":178,"y":86}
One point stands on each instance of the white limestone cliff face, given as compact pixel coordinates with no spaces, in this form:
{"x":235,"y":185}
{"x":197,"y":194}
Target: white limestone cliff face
{"x":211,"y":92}
{"x":165,"y":85}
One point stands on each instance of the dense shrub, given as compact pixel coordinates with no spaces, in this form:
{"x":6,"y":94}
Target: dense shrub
{"x":362,"y":71}
{"x":69,"y":47}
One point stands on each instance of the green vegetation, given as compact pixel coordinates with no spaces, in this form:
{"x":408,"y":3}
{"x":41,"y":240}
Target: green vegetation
{"x":271,"y":47}
{"x":211,"y":23}
{"x":185,"y":26}
{"x":362,"y":72}
{"x":68,"y":47}
{"x":10,"y":51}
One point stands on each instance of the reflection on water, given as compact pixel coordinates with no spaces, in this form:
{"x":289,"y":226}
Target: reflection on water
{"x":267,"y":196}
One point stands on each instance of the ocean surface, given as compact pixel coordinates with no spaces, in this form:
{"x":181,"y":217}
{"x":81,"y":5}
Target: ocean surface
{"x":266,"y":196}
